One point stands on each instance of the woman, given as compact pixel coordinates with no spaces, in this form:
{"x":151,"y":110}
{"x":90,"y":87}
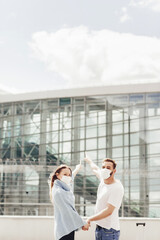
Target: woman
{"x":67,"y":220}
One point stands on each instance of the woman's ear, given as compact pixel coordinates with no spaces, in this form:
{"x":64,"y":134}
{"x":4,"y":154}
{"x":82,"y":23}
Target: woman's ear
{"x":57,"y":175}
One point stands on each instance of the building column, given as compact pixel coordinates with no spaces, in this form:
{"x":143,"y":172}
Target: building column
{"x":143,"y":165}
{"x":109,"y":130}
{"x":13,"y":142}
{"x":2,"y":174}
{"x":1,"y":132}
{"x":43,"y":185}
{"x":75,"y":140}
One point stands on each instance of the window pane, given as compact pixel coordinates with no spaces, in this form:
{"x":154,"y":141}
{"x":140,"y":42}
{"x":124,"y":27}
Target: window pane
{"x":91,"y":144}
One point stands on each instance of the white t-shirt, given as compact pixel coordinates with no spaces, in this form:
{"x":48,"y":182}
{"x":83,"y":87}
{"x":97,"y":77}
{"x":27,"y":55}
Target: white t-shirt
{"x":112,"y":194}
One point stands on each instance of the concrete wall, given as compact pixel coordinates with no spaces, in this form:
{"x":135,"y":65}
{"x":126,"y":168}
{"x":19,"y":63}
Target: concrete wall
{"x":41,"y":228}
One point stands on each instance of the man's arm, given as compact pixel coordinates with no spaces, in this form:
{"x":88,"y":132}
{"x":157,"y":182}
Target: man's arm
{"x":103,"y":214}
{"x":93,"y":166}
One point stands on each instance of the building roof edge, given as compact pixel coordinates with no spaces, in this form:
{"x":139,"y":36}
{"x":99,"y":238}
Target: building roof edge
{"x":81,"y":92}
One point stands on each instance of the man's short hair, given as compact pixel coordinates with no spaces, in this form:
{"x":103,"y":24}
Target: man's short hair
{"x":110,"y":160}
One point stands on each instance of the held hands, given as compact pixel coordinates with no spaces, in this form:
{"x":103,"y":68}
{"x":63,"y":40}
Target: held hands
{"x":93,"y":166}
{"x":87,"y":159}
{"x":86,"y":226}
{"x":78,"y":167}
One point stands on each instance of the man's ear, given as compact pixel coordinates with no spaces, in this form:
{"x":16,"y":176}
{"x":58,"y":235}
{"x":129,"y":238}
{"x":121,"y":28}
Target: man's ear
{"x":114,"y":170}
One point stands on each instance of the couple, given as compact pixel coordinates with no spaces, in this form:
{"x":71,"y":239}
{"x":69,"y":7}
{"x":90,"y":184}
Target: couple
{"x":109,"y":198}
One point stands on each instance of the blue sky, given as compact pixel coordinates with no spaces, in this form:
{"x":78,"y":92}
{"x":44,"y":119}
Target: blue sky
{"x":48,"y":44}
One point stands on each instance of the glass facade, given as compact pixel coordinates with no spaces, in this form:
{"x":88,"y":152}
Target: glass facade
{"x":38,"y":135}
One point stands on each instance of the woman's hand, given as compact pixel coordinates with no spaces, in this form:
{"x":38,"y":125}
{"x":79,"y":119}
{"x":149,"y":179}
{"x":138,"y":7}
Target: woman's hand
{"x":76,"y":170}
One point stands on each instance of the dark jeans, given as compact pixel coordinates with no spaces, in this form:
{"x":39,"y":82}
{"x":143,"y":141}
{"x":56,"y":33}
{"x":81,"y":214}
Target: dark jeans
{"x":70,"y":236}
{"x":106,"y":234}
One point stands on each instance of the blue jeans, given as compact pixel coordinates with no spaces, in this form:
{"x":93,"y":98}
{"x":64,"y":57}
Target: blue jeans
{"x":106,"y":234}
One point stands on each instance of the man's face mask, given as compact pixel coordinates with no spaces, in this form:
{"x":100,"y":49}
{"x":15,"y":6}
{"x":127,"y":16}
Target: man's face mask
{"x":105,"y":173}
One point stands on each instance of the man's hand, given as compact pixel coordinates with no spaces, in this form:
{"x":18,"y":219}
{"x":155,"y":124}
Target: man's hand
{"x":89,"y":222}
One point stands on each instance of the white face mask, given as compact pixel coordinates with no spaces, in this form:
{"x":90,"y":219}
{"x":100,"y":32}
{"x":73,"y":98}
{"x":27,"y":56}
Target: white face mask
{"x":66,"y":179}
{"x":105,"y":173}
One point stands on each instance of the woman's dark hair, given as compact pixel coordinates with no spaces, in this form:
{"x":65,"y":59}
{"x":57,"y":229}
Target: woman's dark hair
{"x":53,"y":177}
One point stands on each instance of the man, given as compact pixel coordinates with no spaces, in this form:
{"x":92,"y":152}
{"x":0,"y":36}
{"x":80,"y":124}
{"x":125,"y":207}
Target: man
{"x":109,"y":197}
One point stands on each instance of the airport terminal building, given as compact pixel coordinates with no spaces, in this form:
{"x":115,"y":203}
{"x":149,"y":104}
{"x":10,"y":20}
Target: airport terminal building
{"x":41,"y":130}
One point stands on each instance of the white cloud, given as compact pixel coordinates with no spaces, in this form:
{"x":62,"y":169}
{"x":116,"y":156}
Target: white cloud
{"x":151,"y":4}
{"x":87,"y":58}
{"x":1,"y":42}
{"x":125,"y":16}
{"x":12,"y":15}
{"x":7,"y":90}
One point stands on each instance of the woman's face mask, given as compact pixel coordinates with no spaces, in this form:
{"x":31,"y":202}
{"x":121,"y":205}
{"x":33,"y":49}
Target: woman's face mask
{"x":66,"y":179}
{"x":105,"y":173}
